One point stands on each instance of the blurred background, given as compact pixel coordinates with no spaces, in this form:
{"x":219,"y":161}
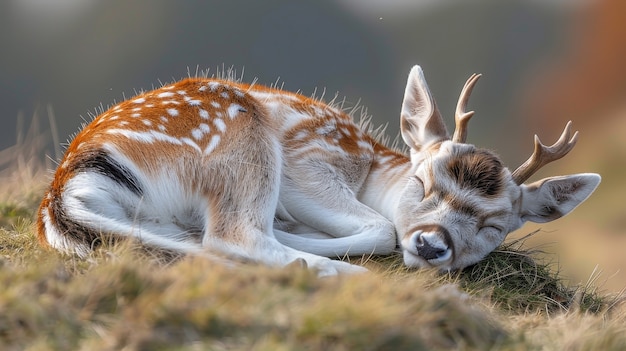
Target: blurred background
{"x":544,"y":62}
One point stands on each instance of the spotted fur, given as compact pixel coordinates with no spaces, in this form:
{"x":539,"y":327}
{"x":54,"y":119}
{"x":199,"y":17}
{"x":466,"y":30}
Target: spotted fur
{"x":206,"y":166}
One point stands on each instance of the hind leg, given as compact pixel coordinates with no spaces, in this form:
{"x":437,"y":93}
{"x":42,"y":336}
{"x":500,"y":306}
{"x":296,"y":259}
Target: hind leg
{"x":242,"y":209}
{"x":262,"y":247}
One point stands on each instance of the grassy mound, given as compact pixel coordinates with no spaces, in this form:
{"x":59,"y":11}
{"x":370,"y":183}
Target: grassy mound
{"x":124,"y":297}
{"x":121,"y":298}
{"x":520,"y":280}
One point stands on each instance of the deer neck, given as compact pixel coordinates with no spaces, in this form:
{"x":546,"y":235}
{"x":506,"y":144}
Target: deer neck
{"x":387,"y":178}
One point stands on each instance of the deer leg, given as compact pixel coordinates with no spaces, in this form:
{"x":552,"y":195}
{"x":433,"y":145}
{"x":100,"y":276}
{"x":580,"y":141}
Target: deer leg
{"x":330,"y":207}
{"x":241,"y":211}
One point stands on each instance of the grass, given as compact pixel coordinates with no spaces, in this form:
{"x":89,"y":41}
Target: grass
{"x":521,"y":280}
{"x":124,"y":297}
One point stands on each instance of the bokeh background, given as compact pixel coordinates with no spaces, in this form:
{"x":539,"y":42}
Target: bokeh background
{"x":544,"y":62}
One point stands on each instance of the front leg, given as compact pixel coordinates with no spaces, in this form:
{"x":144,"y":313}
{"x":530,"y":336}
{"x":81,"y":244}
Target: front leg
{"x":354,"y":245}
{"x":331,"y":208}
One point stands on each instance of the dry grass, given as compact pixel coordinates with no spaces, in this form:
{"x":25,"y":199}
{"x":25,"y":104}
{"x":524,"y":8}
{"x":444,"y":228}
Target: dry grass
{"x":124,"y":297}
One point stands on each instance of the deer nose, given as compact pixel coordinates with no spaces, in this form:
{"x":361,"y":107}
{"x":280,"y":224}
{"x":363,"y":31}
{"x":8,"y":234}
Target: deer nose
{"x":427,"y":251}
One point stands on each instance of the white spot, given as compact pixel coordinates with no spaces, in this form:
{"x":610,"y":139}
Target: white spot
{"x":219,"y":114}
{"x":150,"y":105}
{"x":301,"y":135}
{"x":239,"y":93}
{"x":216,"y":104}
{"x":202,"y":88}
{"x":135,"y":115}
{"x":194,"y":102}
{"x":385,"y":159}
{"x":161,"y":127}
{"x":234,"y":109}
{"x":171,"y":102}
{"x":172,"y":112}
{"x":139,"y":100}
{"x":196,"y":134}
{"x":182,"y":92}
{"x":117,"y":108}
{"x":199,"y":132}
{"x":215,"y":140}
{"x":204,"y":128}
{"x":224,"y":95}
{"x":163,"y":119}
{"x":136,"y":109}
{"x":124,"y":123}
{"x":325,"y":130}
{"x":113,"y":118}
{"x":219,"y":124}
{"x":365,"y":145}
{"x":204,"y":114}
{"x":166,"y":94}
{"x":146,"y":122}
{"x":191,"y":143}
{"x":213,"y":86}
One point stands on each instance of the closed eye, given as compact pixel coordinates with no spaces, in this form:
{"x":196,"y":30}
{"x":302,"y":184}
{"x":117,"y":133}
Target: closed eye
{"x":491,"y":228}
{"x":419,"y":186}
{"x":417,"y":180}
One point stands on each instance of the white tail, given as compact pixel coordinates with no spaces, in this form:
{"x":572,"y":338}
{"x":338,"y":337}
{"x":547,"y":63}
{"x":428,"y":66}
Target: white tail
{"x":215,"y":166}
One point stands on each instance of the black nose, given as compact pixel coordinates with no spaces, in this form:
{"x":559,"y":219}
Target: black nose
{"x":427,"y":251}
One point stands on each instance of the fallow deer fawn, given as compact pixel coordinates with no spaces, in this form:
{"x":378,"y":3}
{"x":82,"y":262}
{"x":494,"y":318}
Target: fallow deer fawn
{"x":216,"y":166}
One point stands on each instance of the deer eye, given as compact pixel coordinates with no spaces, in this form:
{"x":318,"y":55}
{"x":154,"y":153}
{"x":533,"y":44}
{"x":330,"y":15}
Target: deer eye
{"x":417,"y":180}
{"x":419,"y":186}
{"x":490,"y":229}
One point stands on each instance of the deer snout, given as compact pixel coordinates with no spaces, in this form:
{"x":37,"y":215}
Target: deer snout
{"x":427,"y":246}
{"x":430,"y":247}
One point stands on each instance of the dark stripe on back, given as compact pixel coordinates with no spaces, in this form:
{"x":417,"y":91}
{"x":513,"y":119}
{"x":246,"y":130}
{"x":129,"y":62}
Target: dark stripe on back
{"x":101,"y":162}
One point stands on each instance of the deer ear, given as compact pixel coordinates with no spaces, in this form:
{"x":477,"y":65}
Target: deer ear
{"x":420,"y":120}
{"x":554,"y":197}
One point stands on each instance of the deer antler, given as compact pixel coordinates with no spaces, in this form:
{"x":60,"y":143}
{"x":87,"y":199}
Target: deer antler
{"x":542,"y":155}
{"x":461,"y":117}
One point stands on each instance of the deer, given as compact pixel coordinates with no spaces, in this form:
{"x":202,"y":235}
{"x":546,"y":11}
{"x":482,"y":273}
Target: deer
{"x":214,"y":166}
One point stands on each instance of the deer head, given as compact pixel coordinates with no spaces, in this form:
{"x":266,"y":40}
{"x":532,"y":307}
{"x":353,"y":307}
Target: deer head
{"x":461,"y":201}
